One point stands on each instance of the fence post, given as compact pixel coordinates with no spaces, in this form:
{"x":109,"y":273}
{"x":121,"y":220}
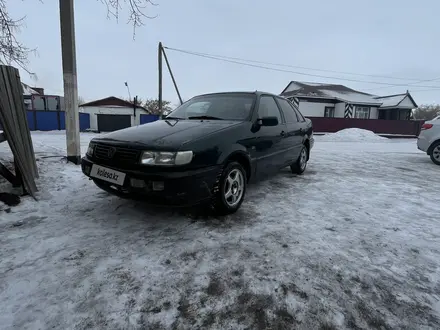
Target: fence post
{"x":35,"y":120}
{"x":58,"y":121}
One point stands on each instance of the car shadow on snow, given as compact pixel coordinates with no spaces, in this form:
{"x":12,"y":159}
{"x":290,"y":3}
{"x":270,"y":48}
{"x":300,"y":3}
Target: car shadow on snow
{"x":203,"y":214}
{"x":251,"y":209}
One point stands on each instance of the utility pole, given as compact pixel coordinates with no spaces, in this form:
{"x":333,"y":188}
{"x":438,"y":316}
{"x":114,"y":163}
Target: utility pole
{"x":171,"y":74}
{"x":159,"y":59}
{"x":67,"y":24}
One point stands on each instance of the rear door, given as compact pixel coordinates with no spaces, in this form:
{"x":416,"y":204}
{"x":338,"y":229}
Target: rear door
{"x":268,"y":142}
{"x":110,"y":123}
{"x":294,"y":131}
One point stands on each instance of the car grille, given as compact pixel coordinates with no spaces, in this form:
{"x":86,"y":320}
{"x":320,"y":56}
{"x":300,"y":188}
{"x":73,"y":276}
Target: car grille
{"x":116,"y":154}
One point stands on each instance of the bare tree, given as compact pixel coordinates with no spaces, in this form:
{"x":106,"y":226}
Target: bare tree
{"x":137,"y":10}
{"x":427,"y":112}
{"x":152,"y":106}
{"x":81,"y":100}
{"x":13,"y":51}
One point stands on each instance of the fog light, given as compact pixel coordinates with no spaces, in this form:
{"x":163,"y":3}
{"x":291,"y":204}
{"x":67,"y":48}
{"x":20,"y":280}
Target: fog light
{"x":158,"y":185}
{"x":136,"y":183}
{"x":87,"y":169}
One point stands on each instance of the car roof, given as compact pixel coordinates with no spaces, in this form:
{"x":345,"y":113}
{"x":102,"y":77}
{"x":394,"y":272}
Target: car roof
{"x":239,"y":92}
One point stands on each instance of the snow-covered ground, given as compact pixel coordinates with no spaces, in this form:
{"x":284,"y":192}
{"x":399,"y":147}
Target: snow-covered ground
{"x":354,"y":243}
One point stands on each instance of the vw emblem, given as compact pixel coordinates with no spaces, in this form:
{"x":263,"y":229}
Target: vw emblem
{"x":111,"y":152}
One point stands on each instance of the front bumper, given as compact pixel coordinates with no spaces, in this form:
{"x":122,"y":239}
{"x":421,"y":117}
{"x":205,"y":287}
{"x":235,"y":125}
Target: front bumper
{"x":180,"y":188}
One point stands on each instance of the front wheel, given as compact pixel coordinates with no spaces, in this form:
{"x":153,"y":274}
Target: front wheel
{"x":435,"y":153}
{"x":230,"y":189}
{"x":301,"y":163}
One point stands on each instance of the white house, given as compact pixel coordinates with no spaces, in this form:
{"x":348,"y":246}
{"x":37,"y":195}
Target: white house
{"x":112,"y":113}
{"x":328,"y":100}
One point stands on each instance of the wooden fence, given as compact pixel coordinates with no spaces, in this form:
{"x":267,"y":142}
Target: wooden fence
{"x":378,"y":126}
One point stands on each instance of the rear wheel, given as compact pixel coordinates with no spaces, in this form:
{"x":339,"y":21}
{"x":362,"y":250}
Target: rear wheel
{"x":435,"y":153}
{"x":301,"y":163}
{"x":230,"y":189}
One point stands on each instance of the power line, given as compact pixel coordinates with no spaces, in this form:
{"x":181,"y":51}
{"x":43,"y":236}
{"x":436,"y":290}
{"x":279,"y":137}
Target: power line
{"x":293,"y":66}
{"x":425,"y":90}
{"x":243,"y":62}
{"x":410,"y":84}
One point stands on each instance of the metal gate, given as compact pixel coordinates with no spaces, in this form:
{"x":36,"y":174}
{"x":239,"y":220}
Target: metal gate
{"x":110,"y":123}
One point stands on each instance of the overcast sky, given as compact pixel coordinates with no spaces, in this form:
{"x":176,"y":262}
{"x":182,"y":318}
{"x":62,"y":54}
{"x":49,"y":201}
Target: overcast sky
{"x":394,"y":38}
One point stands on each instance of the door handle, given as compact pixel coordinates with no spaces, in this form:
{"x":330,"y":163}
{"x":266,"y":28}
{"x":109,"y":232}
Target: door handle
{"x":283,"y":133}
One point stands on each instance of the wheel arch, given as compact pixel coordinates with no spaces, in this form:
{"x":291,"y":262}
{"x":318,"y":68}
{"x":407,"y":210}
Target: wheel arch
{"x":431,"y":147}
{"x":307,"y":145}
{"x":241,"y":157}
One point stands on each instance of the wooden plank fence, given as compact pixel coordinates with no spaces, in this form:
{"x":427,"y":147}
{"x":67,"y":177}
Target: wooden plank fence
{"x":16,"y":130}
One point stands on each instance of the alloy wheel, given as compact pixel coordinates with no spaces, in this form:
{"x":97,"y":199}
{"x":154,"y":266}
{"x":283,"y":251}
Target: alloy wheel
{"x":234,"y":187}
{"x":436,"y":153}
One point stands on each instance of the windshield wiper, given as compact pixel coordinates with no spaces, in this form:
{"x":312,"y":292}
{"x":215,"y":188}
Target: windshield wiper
{"x":175,"y":118}
{"x":205,"y":117}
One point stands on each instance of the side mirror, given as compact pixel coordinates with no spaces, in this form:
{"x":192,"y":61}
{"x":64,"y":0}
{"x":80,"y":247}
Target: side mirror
{"x":268,"y":121}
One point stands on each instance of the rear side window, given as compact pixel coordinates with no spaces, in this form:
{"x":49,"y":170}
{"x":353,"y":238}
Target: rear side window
{"x":269,"y":108}
{"x":288,"y":111}
{"x":299,"y":115}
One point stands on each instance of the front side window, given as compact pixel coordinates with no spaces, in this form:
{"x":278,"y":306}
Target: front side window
{"x":268,"y":108}
{"x":216,"y":106}
{"x":362,"y":112}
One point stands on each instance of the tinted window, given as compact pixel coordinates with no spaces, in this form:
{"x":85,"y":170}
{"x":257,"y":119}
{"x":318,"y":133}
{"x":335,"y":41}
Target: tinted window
{"x":289,"y":113}
{"x":299,"y":115}
{"x":222,"y":106}
{"x":268,"y":108}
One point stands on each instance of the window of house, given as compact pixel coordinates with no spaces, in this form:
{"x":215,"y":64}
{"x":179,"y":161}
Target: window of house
{"x":269,"y":108}
{"x":362,"y":112}
{"x":288,"y":111}
{"x":329,"y":112}
{"x":39,"y":102}
{"x":52,"y":103}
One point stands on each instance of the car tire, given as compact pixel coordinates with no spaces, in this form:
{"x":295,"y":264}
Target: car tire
{"x":435,"y":153}
{"x":230,"y":189}
{"x":300,"y":164}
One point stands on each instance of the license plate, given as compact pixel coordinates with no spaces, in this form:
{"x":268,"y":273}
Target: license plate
{"x":107,"y":174}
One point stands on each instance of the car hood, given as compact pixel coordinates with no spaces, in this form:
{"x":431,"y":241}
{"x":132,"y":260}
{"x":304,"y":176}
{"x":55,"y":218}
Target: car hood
{"x":169,"y":134}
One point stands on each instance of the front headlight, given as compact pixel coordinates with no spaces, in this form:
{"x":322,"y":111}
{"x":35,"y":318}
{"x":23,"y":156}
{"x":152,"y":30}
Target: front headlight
{"x":91,"y":149}
{"x":166,"y":158}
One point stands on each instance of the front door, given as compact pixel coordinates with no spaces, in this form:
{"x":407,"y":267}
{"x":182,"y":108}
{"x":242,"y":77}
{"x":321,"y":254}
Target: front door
{"x":267,"y":144}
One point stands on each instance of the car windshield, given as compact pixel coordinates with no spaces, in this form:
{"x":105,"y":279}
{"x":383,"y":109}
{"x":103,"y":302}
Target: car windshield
{"x":216,"y":107}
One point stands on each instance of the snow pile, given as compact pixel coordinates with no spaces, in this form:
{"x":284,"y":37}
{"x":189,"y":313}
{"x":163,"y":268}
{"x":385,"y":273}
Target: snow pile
{"x":354,"y":135}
